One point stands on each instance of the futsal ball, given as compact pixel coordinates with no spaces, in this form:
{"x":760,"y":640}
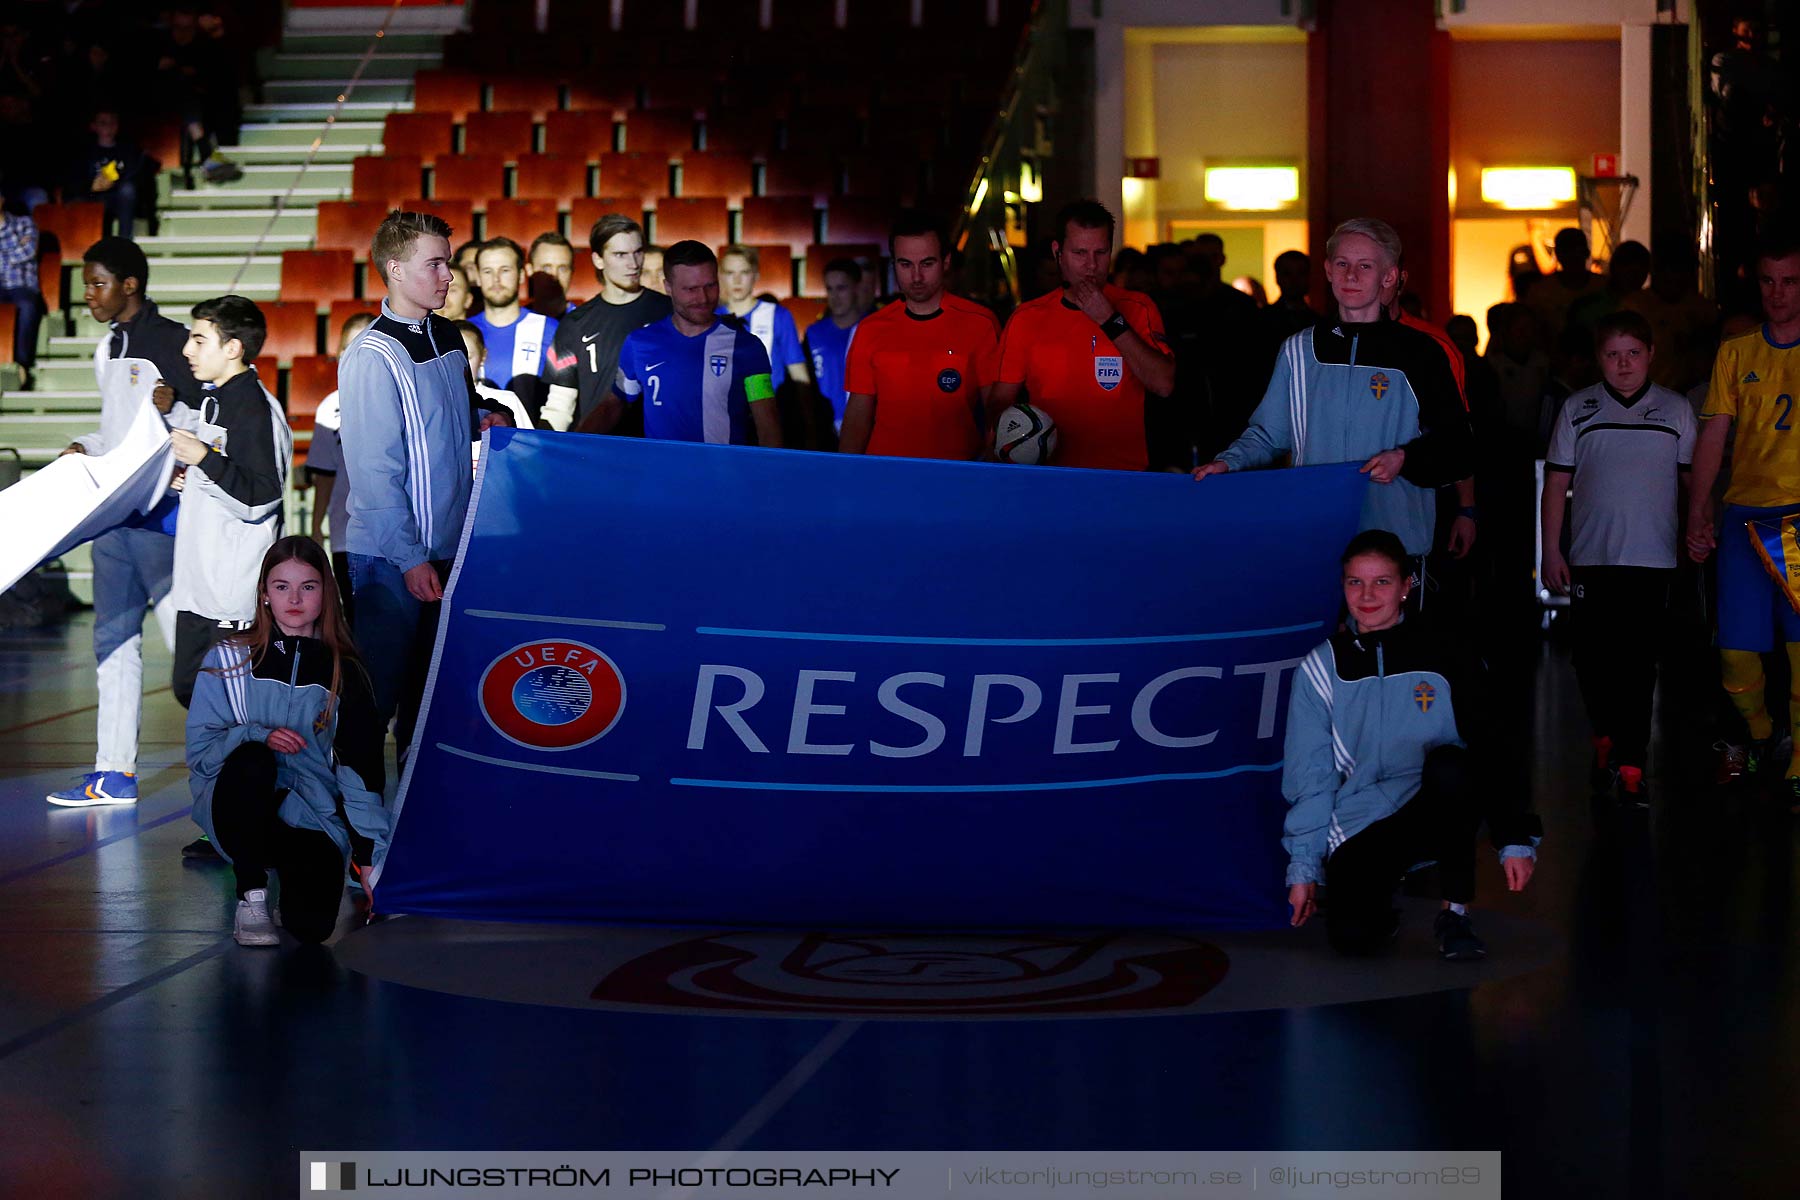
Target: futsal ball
{"x":1025,"y":435}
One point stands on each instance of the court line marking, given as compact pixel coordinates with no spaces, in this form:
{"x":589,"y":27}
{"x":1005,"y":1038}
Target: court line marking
{"x":898,"y":640}
{"x":785,"y":1089}
{"x":70,"y":855}
{"x":540,"y":767}
{"x":1063,"y":785}
{"x":593,"y":622}
{"x":32,"y":1037}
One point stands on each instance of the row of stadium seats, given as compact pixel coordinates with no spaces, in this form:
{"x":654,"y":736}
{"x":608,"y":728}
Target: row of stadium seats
{"x":677,"y":132}
{"x":743,"y":17}
{"x":567,"y":177}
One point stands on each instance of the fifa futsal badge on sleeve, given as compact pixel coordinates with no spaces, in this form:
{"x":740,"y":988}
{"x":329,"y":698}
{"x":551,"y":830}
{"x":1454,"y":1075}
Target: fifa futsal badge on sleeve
{"x":552,"y":695}
{"x":1109,"y":370}
{"x":1378,"y":384}
{"x":718,"y":364}
{"x":1424,"y":695}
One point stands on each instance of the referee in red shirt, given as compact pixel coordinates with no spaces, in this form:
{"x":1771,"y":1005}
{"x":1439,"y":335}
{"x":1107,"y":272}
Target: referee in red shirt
{"x":1087,"y":353}
{"x":917,"y":370}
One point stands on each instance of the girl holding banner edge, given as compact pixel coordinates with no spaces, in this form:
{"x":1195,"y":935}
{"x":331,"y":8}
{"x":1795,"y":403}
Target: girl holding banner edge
{"x":284,"y":749}
{"x":1387,"y":765}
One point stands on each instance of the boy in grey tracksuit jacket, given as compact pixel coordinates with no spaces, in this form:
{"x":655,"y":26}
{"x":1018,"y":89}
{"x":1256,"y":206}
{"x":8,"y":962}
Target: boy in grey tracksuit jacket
{"x":409,"y":412}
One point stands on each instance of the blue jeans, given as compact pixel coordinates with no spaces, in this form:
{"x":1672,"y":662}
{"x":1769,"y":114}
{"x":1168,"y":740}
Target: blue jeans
{"x":394,"y":634}
{"x":31,"y":312}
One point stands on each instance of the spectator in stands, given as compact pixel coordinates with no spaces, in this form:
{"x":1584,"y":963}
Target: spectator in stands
{"x":653,"y":270}
{"x":706,"y":378}
{"x":19,"y":286}
{"x":828,"y":339}
{"x":200,"y":80}
{"x":1364,"y":388}
{"x":497,"y":399}
{"x":414,"y":413}
{"x":465,"y":260}
{"x":1087,"y":353}
{"x":518,"y":342}
{"x":459,"y":300}
{"x":1292,"y":311}
{"x":585,"y":354}
{"x":919,"y":370}
{"x":325,"y":468}
{"x":1621,"y":563}
{"x":133,"y":562}
{"x":108,"y":169}
{"x":1549,"y":300}
{"x":285,"y":752}
{"x":1368,"y":798}
{"x":237,"y":450}
{"x":772,"y":324}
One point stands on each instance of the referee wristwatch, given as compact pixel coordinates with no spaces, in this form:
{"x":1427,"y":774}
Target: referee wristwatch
{"x":1115,"y":326}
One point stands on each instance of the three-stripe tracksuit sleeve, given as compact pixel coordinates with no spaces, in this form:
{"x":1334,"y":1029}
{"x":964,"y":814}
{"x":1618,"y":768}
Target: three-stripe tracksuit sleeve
{"x":1270,"y":433}
{"x":374,"y":433}
{"x":1309,"y":775}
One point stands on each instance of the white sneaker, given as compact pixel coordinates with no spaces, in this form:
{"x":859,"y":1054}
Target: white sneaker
{"x":253,"y":926}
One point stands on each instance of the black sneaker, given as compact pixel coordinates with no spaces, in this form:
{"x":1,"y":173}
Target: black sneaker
{"x":1456,"y":937}
{"x":201,"y":848}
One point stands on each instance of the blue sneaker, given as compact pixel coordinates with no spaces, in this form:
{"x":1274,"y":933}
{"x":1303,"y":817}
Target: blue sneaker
{"x":96,"y":788}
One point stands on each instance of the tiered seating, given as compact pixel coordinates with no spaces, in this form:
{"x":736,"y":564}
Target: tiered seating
{"x":385,"y":178}
{"x":310,"y":379}
{"x":717,"y":173}
{"x":423,"y":135}
{"x":506,"y":134}
{"x":700,"y":218}
{"x":76,"y":225}
{"x":520,"y":220}
{"x":293,"y":329}
{"x":318,"y":276}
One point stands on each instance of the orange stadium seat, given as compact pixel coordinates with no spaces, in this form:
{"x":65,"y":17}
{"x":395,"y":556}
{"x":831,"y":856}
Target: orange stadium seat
{"x":458,"y":214}
{"x":9,"y":322}
{"x":859,"y":219}
{"x":585,"y":214}
{"x":896,"y":178}
{"x":478,"y":178}
{"x":633,"y":174}
{"x":520,"y":220}
{"x":318,"y":276}
{"x":343,"y":310}
{"x":678,"y":91}
{"x":804,"y":309}
{"x":76,"y":225}
{"x":455,"y":92}
{"x":697,"y":218}
{"x":588,"y":135}
{"x":505,"y":135}
{"x":531,"y":94}
{"x":426,"y":135}
{"x":384,"y":178}
{"x":268,"y":370}
{"x":559,"y":177}
{"x":613,"y":97}
{"x":311,"y":378}
{"x":774,"y":269}
{"x":293,"y":329}
{"x":665,"y":131}
{"x":818,"y":255}
{"x":785,"y":219}
{"x":717,"y":173}
{"x":349,"y":225}
{"x":50,"y":280}
{"x":748,"y":130}
{"x":800,"y":173}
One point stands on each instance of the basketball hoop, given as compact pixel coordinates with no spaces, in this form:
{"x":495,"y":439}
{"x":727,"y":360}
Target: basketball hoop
{"x":1605,"y":203}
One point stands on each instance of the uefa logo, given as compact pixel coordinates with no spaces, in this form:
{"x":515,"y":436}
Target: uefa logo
{"x":552,"y":694}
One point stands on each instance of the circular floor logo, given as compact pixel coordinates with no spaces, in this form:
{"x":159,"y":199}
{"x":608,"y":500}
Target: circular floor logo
{"x":552,"y":694}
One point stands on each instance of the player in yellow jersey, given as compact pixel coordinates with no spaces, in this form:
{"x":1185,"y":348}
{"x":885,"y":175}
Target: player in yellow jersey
{"x":1755,"y":385}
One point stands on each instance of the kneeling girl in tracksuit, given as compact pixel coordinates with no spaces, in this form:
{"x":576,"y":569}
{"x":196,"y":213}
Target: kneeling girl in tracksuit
{"x":285,"y":750}
{"x":1387,"y":767}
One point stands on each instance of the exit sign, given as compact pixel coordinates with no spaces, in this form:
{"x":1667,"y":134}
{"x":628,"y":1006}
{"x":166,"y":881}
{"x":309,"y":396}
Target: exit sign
{"x":1606,"y":166}
{"x":1143,"y":168}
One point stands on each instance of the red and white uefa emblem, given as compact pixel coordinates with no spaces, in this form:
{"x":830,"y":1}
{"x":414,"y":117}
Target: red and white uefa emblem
{"x":552,"y":694}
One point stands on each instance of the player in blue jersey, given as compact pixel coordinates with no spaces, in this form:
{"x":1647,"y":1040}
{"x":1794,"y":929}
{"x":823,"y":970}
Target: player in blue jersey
{"x":518,"y":341}
{"x":772,"y":324}
{"x":700,"y":377}
{"x":828,"y":338}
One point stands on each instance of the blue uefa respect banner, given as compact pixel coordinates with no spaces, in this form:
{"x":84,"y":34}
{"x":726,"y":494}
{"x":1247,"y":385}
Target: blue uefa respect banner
{"x":718,"y":685}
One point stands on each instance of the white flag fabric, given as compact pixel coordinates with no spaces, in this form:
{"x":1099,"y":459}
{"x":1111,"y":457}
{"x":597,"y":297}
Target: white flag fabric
{"x":79,"y":496}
